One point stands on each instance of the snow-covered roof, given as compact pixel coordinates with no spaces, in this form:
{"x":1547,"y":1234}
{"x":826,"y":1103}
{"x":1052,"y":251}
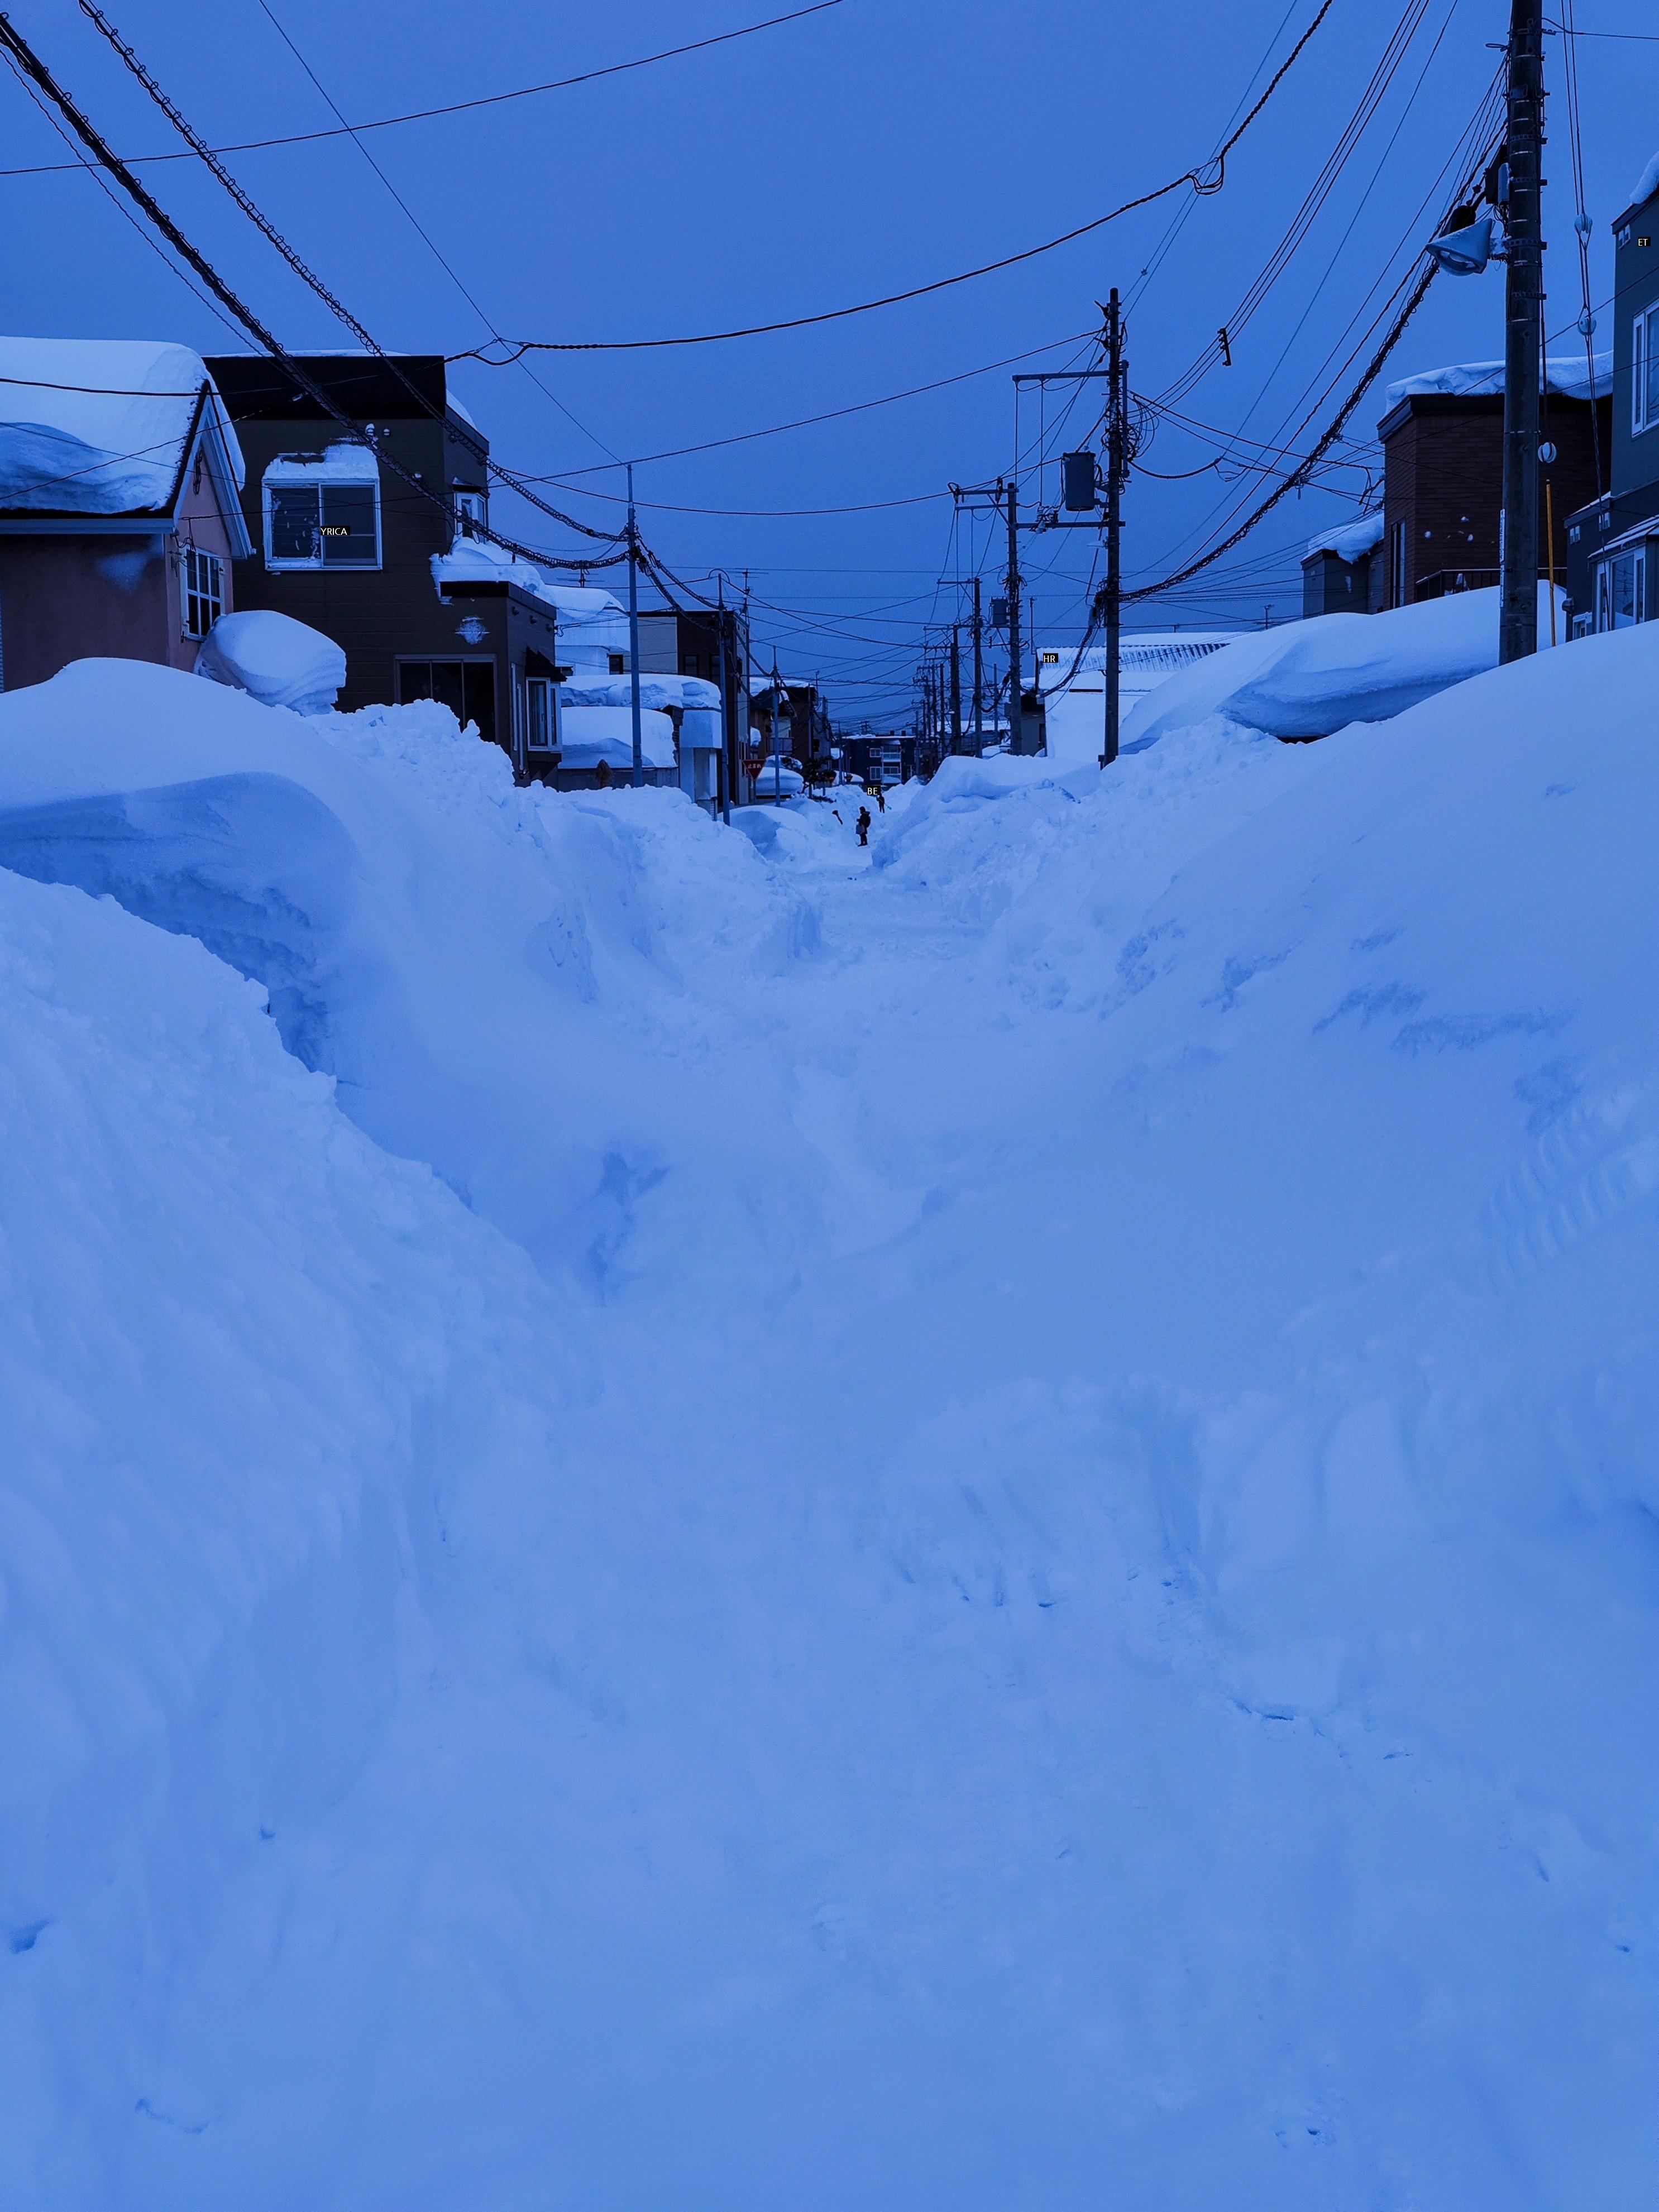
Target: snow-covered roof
{"x":588,"y":735}
{"x":597,"y":687}
{"x":104,"y":426}
{"x":1478,"y":380}
{"x":1158,"y":651}
{"x":1647,"y":184}
{"x":1349,"y":540}
{"x":349,"y":461}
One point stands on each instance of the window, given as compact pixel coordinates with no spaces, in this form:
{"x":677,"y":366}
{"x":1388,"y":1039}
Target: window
{"x":1398,"y":565}
{"x":1644,"y":371}
{"x":467,"y":688}
{"x":472,"y":513}
{"x":541,"y":731}
{"x":320,"y":513}
{"x":619,"y":664}
{"x":201,"y":590}
{"x":1621,"y":590}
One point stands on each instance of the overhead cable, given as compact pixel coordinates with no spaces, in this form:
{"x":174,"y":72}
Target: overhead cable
{"x":301,"y":269}
{"x":455,"y":106}
{"x":25,"y":59}
{"x":1207,"y":179}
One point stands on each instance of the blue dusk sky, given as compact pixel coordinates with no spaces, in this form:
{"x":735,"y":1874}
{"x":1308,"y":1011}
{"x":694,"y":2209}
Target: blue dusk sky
{"x":861,"y":150}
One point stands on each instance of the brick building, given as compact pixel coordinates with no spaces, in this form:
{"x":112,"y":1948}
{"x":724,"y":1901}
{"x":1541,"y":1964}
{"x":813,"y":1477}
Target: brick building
{"x":1439,"y":528}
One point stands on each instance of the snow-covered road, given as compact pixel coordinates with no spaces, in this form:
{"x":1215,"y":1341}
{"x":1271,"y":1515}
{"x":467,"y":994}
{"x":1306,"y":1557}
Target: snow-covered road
{"x":988,"y":1541}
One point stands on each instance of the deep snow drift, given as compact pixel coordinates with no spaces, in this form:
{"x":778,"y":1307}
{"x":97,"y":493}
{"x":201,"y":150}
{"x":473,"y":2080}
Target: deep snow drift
{"x":965,"y":1525}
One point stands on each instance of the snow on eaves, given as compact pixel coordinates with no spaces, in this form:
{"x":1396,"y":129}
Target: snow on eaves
{"x":103,"y":426}
{"x":1350,"y":540}
{"x":592,"y":623}
{"x":1478,"y":380}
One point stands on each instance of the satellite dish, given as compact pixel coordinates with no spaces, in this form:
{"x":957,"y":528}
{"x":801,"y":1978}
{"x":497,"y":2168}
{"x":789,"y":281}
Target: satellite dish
{"x":1465,"y":250}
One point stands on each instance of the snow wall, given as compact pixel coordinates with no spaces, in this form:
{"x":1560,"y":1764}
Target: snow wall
{"x":962,"y":1525}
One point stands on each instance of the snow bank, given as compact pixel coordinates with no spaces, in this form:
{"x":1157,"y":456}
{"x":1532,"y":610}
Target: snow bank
{"x":100,"y":426}
{"x":1049,"y":1572}
{"x":1307,"y":678}
{"x":277,"y":660}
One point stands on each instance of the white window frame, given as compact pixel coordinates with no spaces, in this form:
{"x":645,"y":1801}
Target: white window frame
{"x":541,"y":714}
{"x":201,"y":589}
{"x":472,"y":513}
{"x":277,"y":480}
{"x":1605,"y":612}
{"x":1643,"y":359}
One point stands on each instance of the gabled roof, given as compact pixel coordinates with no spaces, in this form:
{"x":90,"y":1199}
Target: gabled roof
{"x":103,"y":431}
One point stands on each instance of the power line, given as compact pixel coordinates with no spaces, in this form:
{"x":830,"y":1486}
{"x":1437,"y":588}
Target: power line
{"x":418,"y":227}
{"x":1205,"y":180}
{"x":24,"y":58}
{"x":454,"y":107}
{"x":301,"y":268}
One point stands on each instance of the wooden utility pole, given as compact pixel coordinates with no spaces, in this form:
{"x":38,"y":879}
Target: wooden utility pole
{"x":1519,"y":199}
{"x":1014,"y":718}
{"x":956,"y":687}
{"x":979,"y":676}
{"x":1117,"y":412}
{"x":634,"y":629}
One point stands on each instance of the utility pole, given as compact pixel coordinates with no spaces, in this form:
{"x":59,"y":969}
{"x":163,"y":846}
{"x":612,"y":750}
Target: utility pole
{"x":979,"y":686}
{"x":1117,"y":410}
{"x":777,"y":756}
{"x":956,"y":687}
{"x":634,"y":628}
{"x":728,"y":723}
{"x":1523,"y":296}
{"x":1014,"y":718}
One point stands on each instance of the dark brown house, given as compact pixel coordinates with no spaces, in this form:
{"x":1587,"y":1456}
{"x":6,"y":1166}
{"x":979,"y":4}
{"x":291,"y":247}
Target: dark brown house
{"x":1442,"y":449}
{"x":341,"y":541}
{"x":119,"y":512}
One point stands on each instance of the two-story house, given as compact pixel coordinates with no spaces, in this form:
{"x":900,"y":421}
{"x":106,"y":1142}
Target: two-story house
{"x":340,"y":540}
{"x":1613,"y":551}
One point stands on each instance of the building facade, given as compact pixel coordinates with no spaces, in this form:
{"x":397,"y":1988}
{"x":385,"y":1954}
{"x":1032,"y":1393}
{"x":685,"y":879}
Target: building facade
{"x":1612,"y":550}
{"x":343,"y":541}
{"x":1439,"y":528}
{"x":122,"y":523}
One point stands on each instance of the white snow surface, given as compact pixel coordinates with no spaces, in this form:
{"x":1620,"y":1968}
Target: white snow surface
{"x":1349,"y":540}
{"x":99,"y":426}
{"x":1307,"y":678}
{"x":1569,"y":374}
{"x":731,"y":1529}
{"x":278,"y":660}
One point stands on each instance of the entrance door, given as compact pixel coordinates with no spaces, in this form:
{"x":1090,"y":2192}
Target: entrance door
{"x":467,"y":688}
